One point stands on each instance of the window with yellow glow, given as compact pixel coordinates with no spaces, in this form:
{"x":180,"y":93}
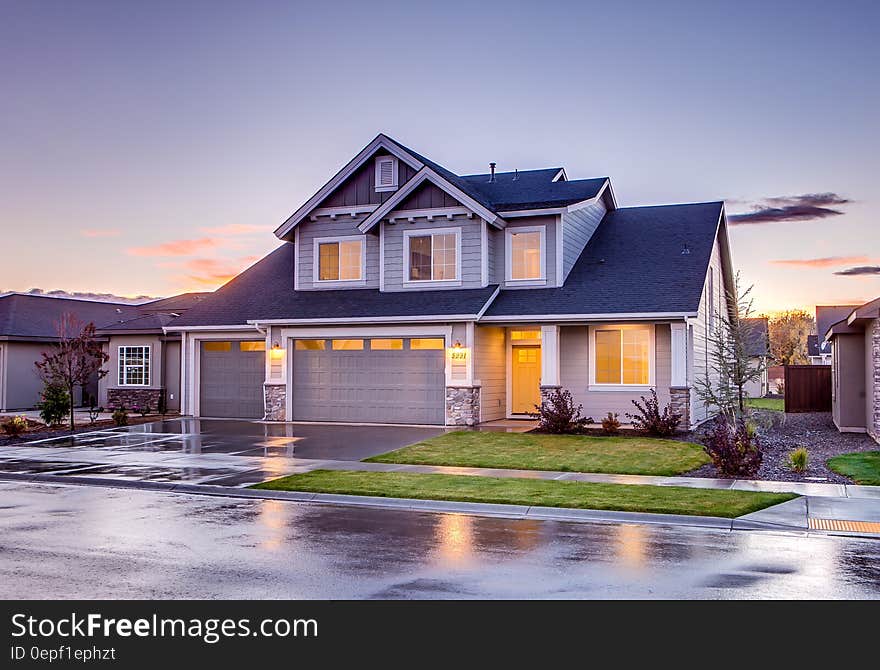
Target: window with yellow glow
{"x":309,"y":345}
{"x":525,"y":255}
{"x":348,"y":345}
{"x":622,"y":356}
{"x":253,"y":346}
{"x":340,"y":261}
{"x":427,"y":343}
{"x":217,"y":346}
{"x":525,"y":334}
{"x":386,"y":345}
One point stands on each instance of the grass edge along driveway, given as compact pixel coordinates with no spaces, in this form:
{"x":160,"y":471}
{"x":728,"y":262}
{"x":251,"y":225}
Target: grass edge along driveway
{"x":545,"y":493}
{"x":564,"y":453}
{"x":862,"y":467}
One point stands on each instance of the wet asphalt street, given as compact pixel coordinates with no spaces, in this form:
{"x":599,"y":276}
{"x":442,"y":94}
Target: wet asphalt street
{"x":95,"y":542}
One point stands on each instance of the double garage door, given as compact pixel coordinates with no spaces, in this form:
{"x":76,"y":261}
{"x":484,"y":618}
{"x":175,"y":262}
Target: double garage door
{"x":369,"y":380}
{"x":378,"y":380}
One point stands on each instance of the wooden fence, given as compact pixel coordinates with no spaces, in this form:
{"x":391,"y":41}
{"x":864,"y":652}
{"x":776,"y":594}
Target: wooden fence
{"x":807,"y":388}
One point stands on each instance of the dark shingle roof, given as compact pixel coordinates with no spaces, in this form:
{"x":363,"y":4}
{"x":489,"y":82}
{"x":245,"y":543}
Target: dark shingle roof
{"x":146,"y":322}
{"x":533,"y":189}
{"x":176,"y":303}
{"x":632,"y":264}
{"x":37,"y":316}
{"x":757,"y":336}
{"x":265,"y":291}
{"x":827,"y":316}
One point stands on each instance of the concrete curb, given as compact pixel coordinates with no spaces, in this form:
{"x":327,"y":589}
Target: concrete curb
{"x":564,"y":514}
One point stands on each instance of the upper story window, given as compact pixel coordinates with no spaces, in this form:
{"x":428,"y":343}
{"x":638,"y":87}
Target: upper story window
{"x":525,"y":253}
{"x":434,"y":255}
{"x":386,"y":173}
{"x":339,"y":259}
{"x":134,"y":366}
{"x":622,"y":355}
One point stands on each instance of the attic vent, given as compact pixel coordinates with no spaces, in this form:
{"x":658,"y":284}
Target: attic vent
{"x":386,"y":173}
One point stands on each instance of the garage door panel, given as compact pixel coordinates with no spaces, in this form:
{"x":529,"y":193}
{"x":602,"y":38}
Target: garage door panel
{"x":384,"y":386}
{"x":231,"y":382}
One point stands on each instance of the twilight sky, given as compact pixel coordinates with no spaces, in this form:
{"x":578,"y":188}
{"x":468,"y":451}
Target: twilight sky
{"x":153,"y":147}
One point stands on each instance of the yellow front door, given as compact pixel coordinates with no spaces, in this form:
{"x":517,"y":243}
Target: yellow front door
{"x":525,"y":379}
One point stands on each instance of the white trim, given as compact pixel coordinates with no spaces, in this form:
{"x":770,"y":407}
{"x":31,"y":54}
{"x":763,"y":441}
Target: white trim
{"x":148,"y":368}
{"x":384,"y":188}
{"x":560,"y":251}
{"x":623,"y":316}
{"x":427,"y":174}
{"x":508,"y":250}
{"x":518,"y":213}
{"x":551,"y":375}
{"x":431,"y":232}
{"x":470,"y":343}
{"x":652,"y":358}
{"x":382,"y":256}
{"x":484,"y":253}
{"x":318,"y":241}
{"x":372,"y":319}
{"x":182,"y":329}
{"x":352,"y":210}
{"x":380,"y":142}
{"x":296,"y":261}
{"x":678,"y":354}
{"x":560,"y":176}
{"x":489,"y":302}
{"x":447,"y":213}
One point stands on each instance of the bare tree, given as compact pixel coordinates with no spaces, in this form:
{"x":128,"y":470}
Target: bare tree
{"x":75,"y":360}
{"x":731,"y":365}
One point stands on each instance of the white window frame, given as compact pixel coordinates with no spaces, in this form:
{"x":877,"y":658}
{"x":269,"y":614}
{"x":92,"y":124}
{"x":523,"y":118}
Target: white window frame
{"x":395,"y":171}
{"x":316,"y":261}
{"x":121,"y":368}
{"x":425,"y":232}
{"x":508,"y":255}
{"x":652,"y":357}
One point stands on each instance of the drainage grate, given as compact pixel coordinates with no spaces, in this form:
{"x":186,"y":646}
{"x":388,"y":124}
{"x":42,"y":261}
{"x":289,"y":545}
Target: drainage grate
{"x":841,"y":525}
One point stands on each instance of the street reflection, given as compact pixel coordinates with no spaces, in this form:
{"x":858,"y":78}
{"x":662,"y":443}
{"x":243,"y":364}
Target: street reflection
{"x":454,"y":535}
{"x":631,"y":545}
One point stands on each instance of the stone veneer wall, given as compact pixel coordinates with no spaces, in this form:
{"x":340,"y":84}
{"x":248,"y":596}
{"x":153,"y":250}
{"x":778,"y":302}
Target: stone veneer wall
{"x":134,"y":397}
{"x":873,"y":422}
{"x":462,"y":405}
{"x":680,"y":402}
{"x":276,"y":401}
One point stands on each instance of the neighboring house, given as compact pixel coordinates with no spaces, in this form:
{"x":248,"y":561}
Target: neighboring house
{"x":144,"y":365}
{"x":29,"y":326}
{"x":855,"y":370}
{"x":758,"y":348}
{"x":818,"y":348}
{"x":404,"y":293}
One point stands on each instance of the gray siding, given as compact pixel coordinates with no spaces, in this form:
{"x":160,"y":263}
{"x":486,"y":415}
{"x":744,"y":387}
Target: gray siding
{"x":575,"y":373}
{"x":577,"y":229}
{"x":22,"y":386}
{"x":428,"y":196}
{"x":171,"y":377}
{"x":360,"y":188}
{"x":490,"y":369}
{"x":848,"y":381}
{"x":327,"y":227}
{"x":396,"y":266}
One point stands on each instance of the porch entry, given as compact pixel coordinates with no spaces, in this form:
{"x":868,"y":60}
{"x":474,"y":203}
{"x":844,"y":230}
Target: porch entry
{"x":525,"y":386}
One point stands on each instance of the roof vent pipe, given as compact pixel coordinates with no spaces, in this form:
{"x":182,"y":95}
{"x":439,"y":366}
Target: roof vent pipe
{"x":515,"y":174}
{"x":491,"y":172}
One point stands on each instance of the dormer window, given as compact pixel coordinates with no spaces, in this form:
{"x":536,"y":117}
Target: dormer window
{"x":386,"y":174}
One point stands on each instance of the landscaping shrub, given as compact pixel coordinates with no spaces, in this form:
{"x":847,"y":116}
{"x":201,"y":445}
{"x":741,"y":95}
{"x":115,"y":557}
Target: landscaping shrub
{"x":15,"y":426}
{"x":55,"y":404}
{"x":651,"y":420}
{"x":733,"y":447}
{"x":558,"y":413}
{"x":120,"y":416}
{"x":143,"y":410}
{"x":610,"y":424}
{"x":798,"y":459}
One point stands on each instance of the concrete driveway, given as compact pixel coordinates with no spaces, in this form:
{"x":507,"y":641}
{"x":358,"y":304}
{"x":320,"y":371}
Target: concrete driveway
{"x":216,"y":451}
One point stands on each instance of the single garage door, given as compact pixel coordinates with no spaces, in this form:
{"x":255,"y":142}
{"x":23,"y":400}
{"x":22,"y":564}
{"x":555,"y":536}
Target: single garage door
{"x":231,"y":377}
{"x":379,"y":380}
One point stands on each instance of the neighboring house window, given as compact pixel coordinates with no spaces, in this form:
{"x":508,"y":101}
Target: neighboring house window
{"x":339,"y":259}
{"x":525,"y":253}
{"x":432,"y":256}
{"x":386,"y":173}
{"x":622,"y":355}
{"x":134,"y":366}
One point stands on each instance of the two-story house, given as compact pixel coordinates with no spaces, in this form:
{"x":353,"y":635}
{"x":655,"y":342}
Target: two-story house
{"x":404,"y":293}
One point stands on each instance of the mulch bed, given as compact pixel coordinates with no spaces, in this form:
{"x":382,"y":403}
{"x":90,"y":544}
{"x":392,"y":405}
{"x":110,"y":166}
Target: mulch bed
{"x":780,"y":434}
{"x":41,"y":431}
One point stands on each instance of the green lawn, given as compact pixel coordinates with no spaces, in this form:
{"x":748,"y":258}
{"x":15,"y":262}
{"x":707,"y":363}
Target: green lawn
{"x":568,"y":453}
{"x":862,"y":468}
{"x":624,"y":497}
{"x":775,"y":404}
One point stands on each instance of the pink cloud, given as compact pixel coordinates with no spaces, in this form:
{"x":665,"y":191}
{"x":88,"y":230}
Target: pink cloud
{"x":233,"y":229}
{"x":95,"y":232}
{"x":212,"y":272}
{"x":175,"y":248}
{"x":827,"y":262}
